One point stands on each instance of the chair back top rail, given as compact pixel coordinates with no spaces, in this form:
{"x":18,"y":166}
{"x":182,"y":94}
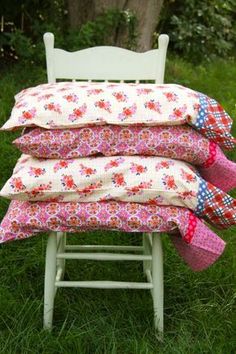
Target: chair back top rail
{"x":105,"y":62}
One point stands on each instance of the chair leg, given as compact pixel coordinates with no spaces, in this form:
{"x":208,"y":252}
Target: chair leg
{"x":61,"y":249}
{"x":157,"y":278}
{"x":49,"y":280}
{"x":147,"y":265}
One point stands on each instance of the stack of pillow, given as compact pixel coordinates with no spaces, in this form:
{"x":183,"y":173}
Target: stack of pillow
{"x":118,"y":156}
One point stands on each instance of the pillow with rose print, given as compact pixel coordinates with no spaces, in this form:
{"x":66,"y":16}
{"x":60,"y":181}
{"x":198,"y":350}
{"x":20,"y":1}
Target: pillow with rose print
{"x":178,"y":142}
{"x":196,"y":243}
{"x":77,"y":104}
{"x":140,"y":179}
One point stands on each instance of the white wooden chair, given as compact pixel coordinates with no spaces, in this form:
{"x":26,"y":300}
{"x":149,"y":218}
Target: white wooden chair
{"x":105,"y":63}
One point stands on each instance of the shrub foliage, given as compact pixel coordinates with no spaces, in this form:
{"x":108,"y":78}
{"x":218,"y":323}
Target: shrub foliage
{"x":198,"y":29}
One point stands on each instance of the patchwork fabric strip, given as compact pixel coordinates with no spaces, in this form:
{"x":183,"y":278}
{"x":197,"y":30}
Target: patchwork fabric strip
{"x":196,"y":243}
{"x":213,"y":122}
{"x":215,"y":205}
{"x":221,"y":173}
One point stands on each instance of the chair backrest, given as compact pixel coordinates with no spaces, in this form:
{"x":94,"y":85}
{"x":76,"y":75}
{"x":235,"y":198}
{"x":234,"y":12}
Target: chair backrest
{"x":105,"y":62}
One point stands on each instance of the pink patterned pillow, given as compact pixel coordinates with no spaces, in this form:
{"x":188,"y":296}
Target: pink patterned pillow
{"x":78,"y":104}
{"x":178,"y":142}
{"x":140,"y":179}
{"x":198,"y":245}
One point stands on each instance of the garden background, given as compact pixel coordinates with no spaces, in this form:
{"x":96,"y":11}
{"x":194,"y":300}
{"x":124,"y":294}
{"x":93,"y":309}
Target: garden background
{"x":200,"y":314}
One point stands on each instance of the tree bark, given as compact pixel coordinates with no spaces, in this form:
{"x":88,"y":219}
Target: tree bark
{"x":146,"y":12}
{"x":79,"y":12}
{"x":147,"y":19}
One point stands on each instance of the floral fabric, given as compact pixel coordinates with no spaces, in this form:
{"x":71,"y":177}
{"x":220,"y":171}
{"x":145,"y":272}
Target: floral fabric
{"x":75,"y":104}
{"x":178,"y":142}
{"x":140,"y":179}
{"x":125,"y":178}
{"x":74,"y":189}
{"x":198,"y":245}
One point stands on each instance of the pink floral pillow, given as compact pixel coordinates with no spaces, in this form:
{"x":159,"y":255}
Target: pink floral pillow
{"x":75,"y":104}
{"x":198,"y":245}
{"x":178,"y":142}
{"x":140,"y":179}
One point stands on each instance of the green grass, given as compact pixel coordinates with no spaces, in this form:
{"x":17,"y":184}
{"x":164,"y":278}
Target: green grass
{"x":199,"y":307}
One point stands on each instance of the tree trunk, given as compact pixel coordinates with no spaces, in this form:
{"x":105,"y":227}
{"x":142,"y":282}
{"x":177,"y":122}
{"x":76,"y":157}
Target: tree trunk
{"x":146,"y":12}
{"x":79,"y":12}
{"x":147,"y":15}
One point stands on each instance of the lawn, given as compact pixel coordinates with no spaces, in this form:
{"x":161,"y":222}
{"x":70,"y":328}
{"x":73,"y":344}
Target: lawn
{"x":200,"y":314}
